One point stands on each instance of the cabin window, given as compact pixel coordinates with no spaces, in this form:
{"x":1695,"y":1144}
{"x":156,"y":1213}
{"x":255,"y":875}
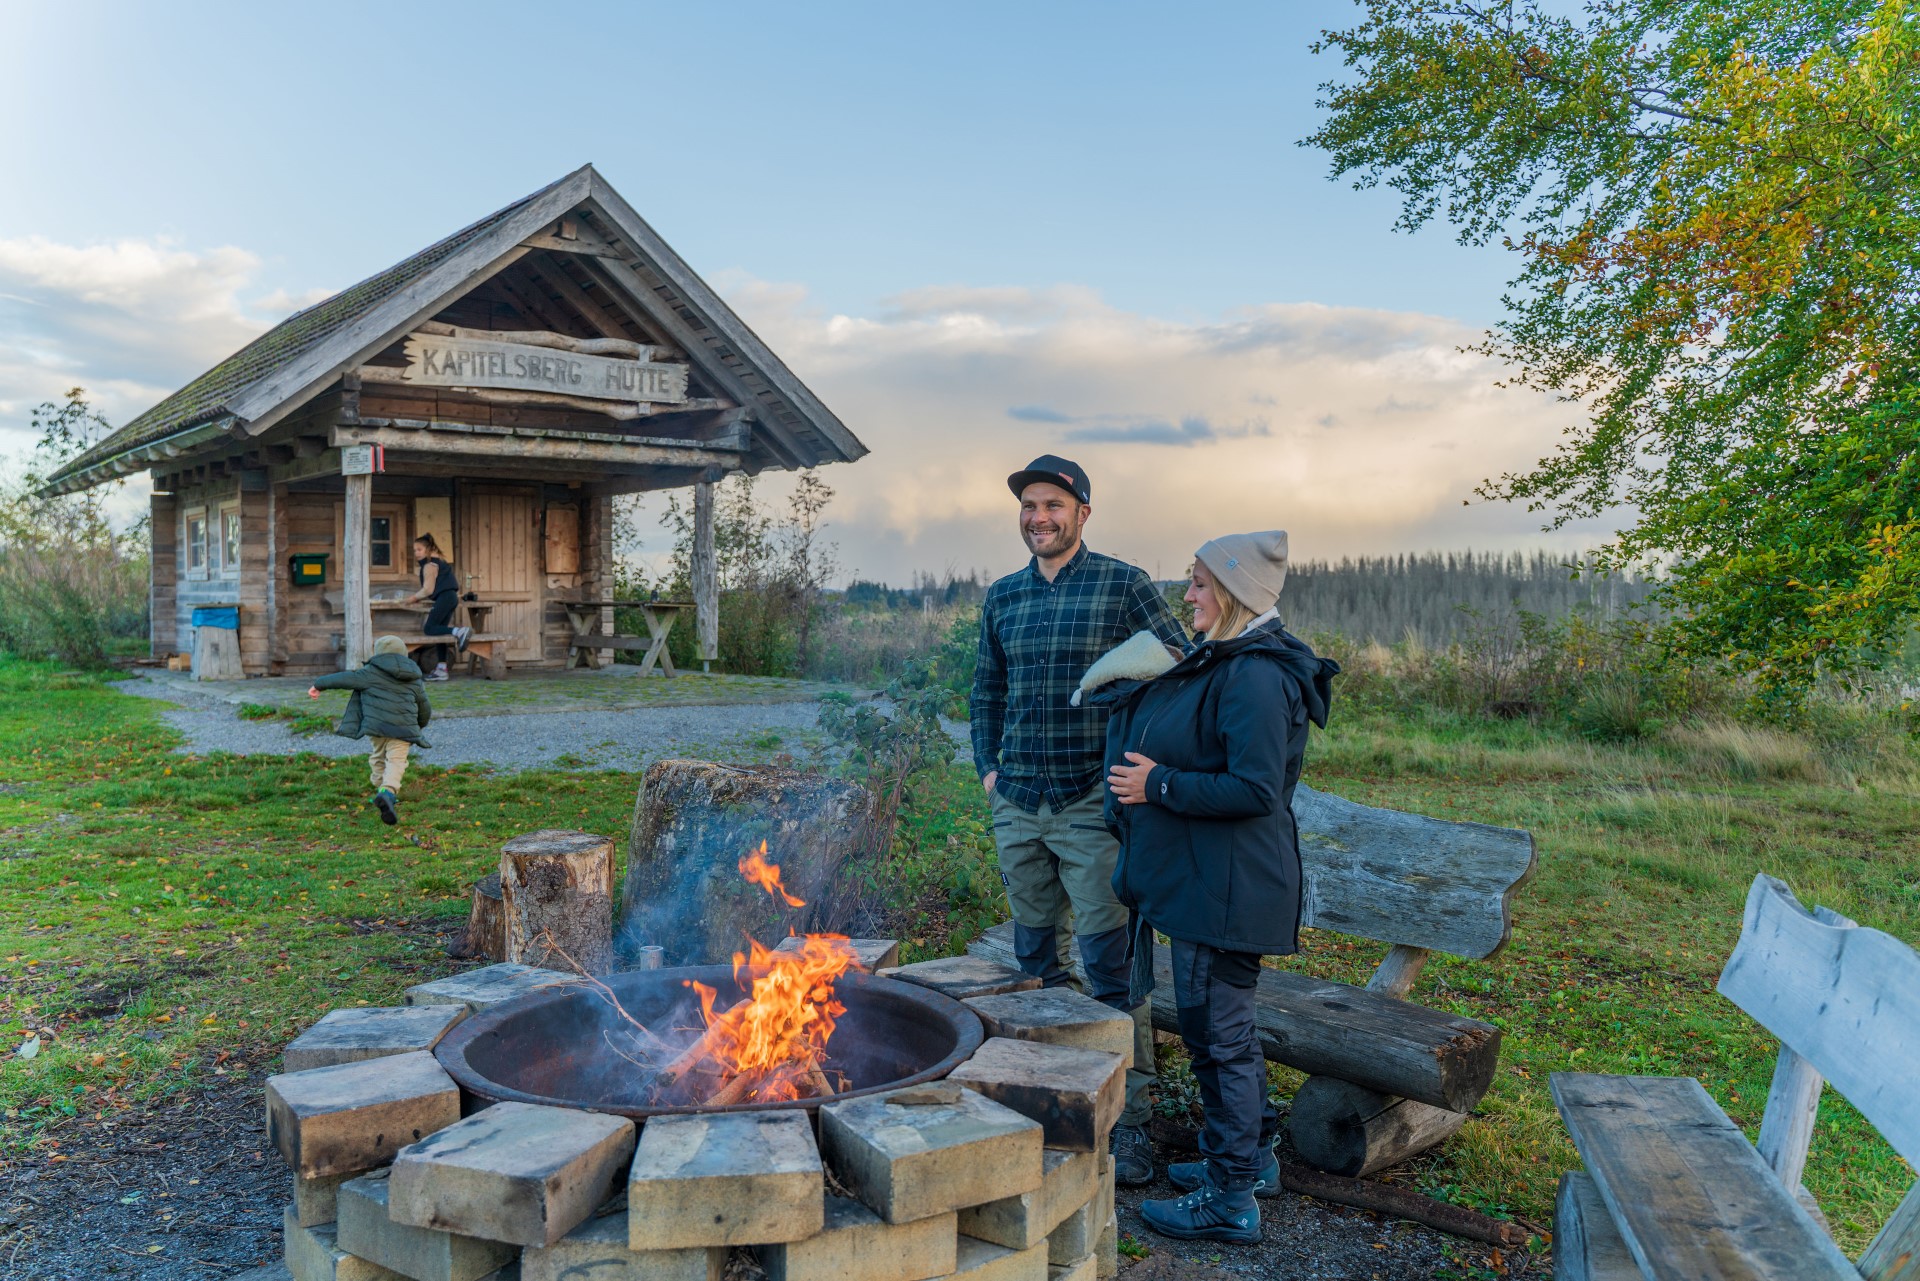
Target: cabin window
{"x":389,"y":555}
{"x":230,"y":537}
{"x":197,"y":541}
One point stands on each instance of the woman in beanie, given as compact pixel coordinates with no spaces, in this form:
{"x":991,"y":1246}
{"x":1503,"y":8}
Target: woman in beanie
{"x":1203,"y":753}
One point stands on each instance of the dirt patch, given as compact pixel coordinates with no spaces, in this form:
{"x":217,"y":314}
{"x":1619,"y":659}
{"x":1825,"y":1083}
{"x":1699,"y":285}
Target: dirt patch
{"x":1308,"y":1240}
{"x":162,"y":1192}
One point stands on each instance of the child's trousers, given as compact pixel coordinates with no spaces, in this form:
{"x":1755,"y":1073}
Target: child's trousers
{"x":387,"y":762}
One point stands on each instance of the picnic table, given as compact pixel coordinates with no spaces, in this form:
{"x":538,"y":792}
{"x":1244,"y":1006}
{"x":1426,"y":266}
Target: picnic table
{"x":587,"y":640}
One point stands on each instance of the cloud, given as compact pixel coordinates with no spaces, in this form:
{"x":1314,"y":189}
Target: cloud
{"x":130,"y":320}
{"x":1369,"y":428}
{"x":1357,"y":430}
{"x":1038,"y":414}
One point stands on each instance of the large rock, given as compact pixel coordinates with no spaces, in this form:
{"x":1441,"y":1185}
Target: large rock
{"x":693,"y":821}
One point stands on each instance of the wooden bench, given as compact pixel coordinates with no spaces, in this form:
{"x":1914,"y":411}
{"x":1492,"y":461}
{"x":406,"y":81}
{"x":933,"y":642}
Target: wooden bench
{"x":485,"y":652}
{"x":1673,"y":1191}
{"x":1387,"y":1078}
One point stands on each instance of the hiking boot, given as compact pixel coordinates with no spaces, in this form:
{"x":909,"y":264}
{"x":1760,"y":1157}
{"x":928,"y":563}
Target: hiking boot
{"x":1132,"y":1153}
{"x":1206,"y":1214}
{"x":439,"y":673}
{"x":460,"y":635}
{"x":384,"y":801}
{"x":1188,"y":1175}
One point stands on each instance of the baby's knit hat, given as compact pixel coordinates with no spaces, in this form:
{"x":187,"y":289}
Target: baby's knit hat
{"x":1249,"y":567}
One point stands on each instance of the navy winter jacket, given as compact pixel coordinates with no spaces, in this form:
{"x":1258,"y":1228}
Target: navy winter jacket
{"x":1213,"y":856}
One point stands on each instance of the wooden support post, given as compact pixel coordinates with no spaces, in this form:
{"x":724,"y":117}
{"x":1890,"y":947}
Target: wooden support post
{"x":359,"y":512}
{"x":556,"y":891}
{"x":706,"y":576}
{"x":163,"y":624}
{"x":1895,"y":1253}
{"x":1786,"y":1129}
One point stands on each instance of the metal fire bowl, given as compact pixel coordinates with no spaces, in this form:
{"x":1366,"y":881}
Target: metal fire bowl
{"x":547,"y":1047}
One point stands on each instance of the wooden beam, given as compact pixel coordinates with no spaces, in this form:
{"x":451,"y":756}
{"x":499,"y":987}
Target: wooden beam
{"x":585,"y":242}
{"x":522,"y":444}
{"x":705,"y":573}
{"x":309,"y":446}
{"x":732,"y":440}
{"x":542,"y":338}
{"x":591,"y":312}
{"x":619,"y":410}
{"x":359,"y":620}
{"x":523,"y":298}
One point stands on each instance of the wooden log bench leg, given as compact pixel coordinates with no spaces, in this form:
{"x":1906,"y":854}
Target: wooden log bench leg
{"x":1348,"y":1129}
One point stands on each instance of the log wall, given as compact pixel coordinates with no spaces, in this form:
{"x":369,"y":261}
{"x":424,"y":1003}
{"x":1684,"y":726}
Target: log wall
{"x":162,"y":627}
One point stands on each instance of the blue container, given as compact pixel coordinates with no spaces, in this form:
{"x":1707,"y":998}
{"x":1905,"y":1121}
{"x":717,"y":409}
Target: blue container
{"x":227,"y":616}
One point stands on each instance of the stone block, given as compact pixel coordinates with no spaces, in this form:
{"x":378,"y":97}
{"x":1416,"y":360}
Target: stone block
{"x":940,"y":1149}
{"x":265,"y":1272}
{"x":1067,"y":1180}
{"x":731,"y":1178}
{"x":355,"y":1116}
{"x":347,"y":1036}
{"x":313,"y":1199}
{"x":984,"y":1261}
{"x":515,"y":1172}
{"x":871,"y":955}
{"x":963,"y":976}
{"x":1106,"y":1250}
{"x":597,"y":1250}
{"x":858,"y":1245}
{"x":1076,"y":1236}
{"x":1085,"y":1270}
{"x":312,"y":1254}
{"x":425,"y":1254}
{"x":488,"y":985}
{"x":1076,"y":1095}
{"x":1058,"y":1016}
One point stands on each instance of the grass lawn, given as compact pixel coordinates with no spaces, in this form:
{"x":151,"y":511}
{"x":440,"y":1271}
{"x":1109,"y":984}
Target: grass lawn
{"x":167,"y":919}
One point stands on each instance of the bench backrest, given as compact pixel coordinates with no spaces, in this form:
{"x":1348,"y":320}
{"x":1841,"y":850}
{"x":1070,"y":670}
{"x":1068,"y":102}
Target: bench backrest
{"x":1843,"y":999}
{"x":1417,"y":882}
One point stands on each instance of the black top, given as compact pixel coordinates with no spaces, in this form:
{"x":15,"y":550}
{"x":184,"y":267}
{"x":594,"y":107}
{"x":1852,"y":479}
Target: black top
{"x":1213,"y":856}
{"x":446,"y":584}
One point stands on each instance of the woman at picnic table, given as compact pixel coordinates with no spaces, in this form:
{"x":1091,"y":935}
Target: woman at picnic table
{"x":1203,"y":753}
{"x":439,"y":585}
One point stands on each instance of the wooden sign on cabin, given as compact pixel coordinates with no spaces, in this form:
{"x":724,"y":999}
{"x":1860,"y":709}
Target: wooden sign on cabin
{"x":459,"y":360}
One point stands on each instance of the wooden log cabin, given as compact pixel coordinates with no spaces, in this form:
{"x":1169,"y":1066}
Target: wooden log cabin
{"x":513,"y":380}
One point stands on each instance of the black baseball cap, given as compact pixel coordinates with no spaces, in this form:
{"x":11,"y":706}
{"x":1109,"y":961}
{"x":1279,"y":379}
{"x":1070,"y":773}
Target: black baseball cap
{"x":1051,"y":469}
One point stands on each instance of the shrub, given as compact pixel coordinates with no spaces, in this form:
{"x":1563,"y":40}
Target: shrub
{"x":69,"y":582}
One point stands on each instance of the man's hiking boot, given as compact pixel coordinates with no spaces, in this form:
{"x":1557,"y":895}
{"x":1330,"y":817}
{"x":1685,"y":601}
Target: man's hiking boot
{"x":1132,"y":1153}
{"x":1188,"y":1175}
{"x":383,"y":800}
{"x":1207,"y":1213}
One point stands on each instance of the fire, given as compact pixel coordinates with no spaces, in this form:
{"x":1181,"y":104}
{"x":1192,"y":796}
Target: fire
{"x":771,"y":1046}
{"x":767,"y":876}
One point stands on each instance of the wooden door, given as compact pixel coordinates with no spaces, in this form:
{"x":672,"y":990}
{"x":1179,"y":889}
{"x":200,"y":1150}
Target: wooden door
{"x":499,"y":542}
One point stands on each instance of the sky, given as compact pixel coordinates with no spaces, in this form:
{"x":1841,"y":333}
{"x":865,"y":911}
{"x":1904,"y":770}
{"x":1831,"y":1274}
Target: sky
{"x":980,"y":232}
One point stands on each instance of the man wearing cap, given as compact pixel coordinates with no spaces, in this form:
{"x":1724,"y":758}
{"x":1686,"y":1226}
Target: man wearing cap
{"x":1039,"y":755}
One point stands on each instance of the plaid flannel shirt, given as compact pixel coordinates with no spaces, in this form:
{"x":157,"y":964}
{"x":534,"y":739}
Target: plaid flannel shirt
{"x":1037,"y":638}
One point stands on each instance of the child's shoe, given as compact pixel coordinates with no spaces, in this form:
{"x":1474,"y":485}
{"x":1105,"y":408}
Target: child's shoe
{"x":460,"y":635}
{"x":385,"y":802}
{"x":439,"y":672}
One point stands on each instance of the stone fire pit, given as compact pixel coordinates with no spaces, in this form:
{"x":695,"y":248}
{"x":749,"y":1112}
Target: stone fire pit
{"x":486,"y":1130}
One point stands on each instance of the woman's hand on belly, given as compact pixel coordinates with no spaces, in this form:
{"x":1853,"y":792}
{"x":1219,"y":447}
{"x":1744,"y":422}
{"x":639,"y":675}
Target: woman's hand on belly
{"x":1128,"y":783}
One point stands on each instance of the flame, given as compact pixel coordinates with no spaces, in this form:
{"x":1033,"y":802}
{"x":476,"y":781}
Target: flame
{"x":771,"y":1046}
{"x":767,"y":876}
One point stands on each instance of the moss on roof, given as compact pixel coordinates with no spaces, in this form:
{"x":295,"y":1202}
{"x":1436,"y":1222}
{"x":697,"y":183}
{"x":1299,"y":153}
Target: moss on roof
{"x":205,"y":398}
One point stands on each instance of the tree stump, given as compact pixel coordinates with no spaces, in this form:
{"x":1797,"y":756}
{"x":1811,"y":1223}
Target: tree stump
{"x":1351,"y":1130}
{"x":693,"y":821}
{"x":557,"y":887}
{"x":486,"y":932}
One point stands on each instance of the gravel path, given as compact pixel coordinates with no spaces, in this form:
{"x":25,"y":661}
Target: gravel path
{"x":622,"y":740}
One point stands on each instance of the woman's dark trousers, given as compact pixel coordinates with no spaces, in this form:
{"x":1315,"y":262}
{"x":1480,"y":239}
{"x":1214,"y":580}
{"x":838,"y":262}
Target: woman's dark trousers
{"x":436,"y":624}
{"x":1213,"y":990}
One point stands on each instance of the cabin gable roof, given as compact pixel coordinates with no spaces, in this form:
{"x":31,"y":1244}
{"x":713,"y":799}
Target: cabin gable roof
{"x":282,"y":369}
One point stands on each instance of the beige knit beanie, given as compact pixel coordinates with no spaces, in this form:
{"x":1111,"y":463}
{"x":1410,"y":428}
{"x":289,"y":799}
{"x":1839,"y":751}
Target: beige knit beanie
{"x":390,"y":645}
{"x":1249,"y":567}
